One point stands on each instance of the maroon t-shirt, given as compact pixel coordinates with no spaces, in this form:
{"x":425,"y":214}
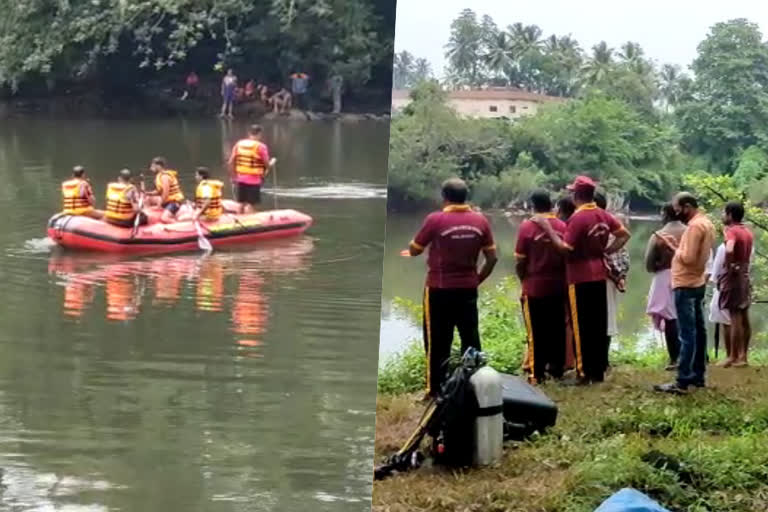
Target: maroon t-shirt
{"x":587,"y":234}
{"x":455,"y":237}
{"x":743,"y":240}
{"x":545,"y":266}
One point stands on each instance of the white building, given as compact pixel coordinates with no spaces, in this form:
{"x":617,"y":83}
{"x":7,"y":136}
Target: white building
{"x":486,"y":103}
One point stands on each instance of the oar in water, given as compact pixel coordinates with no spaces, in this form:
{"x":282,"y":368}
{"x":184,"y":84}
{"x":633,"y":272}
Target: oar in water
{"x":138,"y":216}
{"x":273,"y":170}
{"x":203,"y":243}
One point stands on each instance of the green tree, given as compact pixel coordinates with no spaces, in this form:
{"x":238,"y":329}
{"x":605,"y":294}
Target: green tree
{"x":464,"y":50}
{"x":402,"y":69}
{"x":671,"y":85}
{"x":726,"y":108}
{"x":599,"y":65}
{"x":129,"y":41}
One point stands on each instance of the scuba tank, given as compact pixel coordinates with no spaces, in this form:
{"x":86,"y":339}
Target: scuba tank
{"x":489,"y":422}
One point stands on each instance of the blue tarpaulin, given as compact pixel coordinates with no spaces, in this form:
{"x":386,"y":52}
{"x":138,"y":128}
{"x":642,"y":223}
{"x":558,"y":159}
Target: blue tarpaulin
{"x":630,"y":500}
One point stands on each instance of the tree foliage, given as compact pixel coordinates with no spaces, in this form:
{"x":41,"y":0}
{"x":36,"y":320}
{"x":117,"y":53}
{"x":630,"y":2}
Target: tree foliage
{"x":408,"y":71}
{"x":597,"y":135}
{"x":76,"y":40}
{"x":727,"y":110}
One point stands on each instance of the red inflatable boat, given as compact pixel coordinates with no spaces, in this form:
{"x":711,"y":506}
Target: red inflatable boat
{"x":83,"y":233}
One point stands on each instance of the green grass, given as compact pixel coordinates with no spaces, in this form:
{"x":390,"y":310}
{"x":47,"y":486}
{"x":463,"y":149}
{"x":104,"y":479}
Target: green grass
{"x":703,"y":452}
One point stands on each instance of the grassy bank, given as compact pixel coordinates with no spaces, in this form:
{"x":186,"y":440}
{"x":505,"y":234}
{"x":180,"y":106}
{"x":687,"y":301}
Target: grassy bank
{"x":704,"y":452}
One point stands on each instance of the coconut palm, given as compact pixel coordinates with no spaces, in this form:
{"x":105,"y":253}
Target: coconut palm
{"x":464,"y":47}
{"x":422,"y":70}
{"x":402,"y":69}
{"x":528,"y":46}
{"x":599,"y":65}
{"x":500,"y":56}
{"x":670,"y":79}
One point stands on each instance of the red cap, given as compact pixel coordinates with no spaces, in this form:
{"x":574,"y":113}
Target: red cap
{"x":581,"y":183}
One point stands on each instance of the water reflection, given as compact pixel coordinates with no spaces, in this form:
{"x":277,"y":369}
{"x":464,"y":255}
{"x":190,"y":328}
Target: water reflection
{"x":216,"y":283}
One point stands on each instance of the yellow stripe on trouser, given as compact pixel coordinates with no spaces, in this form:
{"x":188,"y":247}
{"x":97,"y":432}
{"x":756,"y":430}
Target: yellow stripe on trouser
{"x":529,"y":328}
{"x":575,"y":327}
{"x":428,"y":329}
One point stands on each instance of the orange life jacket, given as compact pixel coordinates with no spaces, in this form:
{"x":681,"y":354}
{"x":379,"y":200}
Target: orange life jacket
{"x":74,"y":202}
{"x":247,"y":159}
{"x":214,"y":209}
{"x":175,"y":195}
{"x":119,"y":207}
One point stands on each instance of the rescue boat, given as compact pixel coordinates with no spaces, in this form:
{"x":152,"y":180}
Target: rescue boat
{"x":86,"y":234}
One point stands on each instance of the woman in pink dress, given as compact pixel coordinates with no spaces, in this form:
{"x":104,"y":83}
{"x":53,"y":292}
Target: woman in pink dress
{"x":658,"y":261}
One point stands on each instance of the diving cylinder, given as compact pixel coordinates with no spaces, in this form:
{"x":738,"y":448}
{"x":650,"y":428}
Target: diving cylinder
{"x":489,"y":427}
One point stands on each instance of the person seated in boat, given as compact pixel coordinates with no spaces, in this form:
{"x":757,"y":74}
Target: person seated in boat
{"x":124,"y":202}
{"x":208,"y":196}
{"x":249,"y":163}
{"x":77,"y":196}
{"x":167,"y":193}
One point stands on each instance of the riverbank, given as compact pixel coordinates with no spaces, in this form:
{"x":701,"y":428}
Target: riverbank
{"x":701,"y":452}
{"x":163,"y":104}
{"x":696,"y":453}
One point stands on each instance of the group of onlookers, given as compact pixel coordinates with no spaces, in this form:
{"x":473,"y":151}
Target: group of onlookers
{"x":279,"y":100}
{"x":573,"y":267}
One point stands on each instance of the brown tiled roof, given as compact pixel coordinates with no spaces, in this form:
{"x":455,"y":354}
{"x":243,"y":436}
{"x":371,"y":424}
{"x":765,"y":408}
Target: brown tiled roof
{"x":487,"y":94}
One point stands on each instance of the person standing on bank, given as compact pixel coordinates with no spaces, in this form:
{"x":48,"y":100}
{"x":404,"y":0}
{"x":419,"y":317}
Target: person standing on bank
{"x":734,"y":285}
{"x":586,"y":245}
{"x":542,"y":272}
{"x":689,"y":266}
{"x":456,"y":236}
{"x":661,"y":299}
{"x":250,"y":163}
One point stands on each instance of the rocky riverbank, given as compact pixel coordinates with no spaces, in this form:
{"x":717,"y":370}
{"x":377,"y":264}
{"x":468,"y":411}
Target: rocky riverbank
{"x":150,"y":105}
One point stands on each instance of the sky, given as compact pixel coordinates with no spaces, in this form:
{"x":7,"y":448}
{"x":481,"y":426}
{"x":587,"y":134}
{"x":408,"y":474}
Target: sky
{"x":669,"y":31}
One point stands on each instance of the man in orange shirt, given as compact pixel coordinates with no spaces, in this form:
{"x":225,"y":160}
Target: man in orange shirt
{"x":689,"y":266}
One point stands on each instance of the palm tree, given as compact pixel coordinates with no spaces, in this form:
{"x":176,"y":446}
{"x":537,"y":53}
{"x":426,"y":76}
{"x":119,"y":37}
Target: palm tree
{"x":528,"y":45}
{"x":402,"y":69}
{"x":464,"y":47}
{"x":422,"y":70}
{"x":599,"y":65}
{"x":671,"y":80}
{"x":500,"y":55}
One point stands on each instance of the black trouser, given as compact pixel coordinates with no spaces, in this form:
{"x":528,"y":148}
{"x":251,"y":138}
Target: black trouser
{"x":589,"y":312}
{"x":545,"y":323}
{"x":673,"y":342}
{"x":446,"y":309}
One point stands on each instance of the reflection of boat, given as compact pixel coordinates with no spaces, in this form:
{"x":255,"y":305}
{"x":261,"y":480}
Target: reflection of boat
{"x":125,"y":280}
{"x":83,"y":233}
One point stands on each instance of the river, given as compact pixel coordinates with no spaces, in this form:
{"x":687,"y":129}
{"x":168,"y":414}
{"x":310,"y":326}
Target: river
{"x":241,"y":381}
{"x":405,"y":277}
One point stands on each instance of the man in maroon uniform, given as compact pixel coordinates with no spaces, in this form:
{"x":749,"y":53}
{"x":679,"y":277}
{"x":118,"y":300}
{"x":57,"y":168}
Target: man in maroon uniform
{"x":586,"y":245}
{"x":542,"y":272}
{"x":455,"y":236}
{"x":734,"y":284}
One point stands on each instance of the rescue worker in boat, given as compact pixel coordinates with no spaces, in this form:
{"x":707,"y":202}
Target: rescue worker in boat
{"x":167,"y":193}
{"x":77,"y":196}
{"x":249,"y":163}
{"x":123,"y":202}
{"x":208,"y":196}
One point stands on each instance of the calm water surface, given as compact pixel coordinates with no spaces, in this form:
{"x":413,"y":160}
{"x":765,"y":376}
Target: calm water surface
{"x":240,"y":381}
{"x":404,"y":277}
